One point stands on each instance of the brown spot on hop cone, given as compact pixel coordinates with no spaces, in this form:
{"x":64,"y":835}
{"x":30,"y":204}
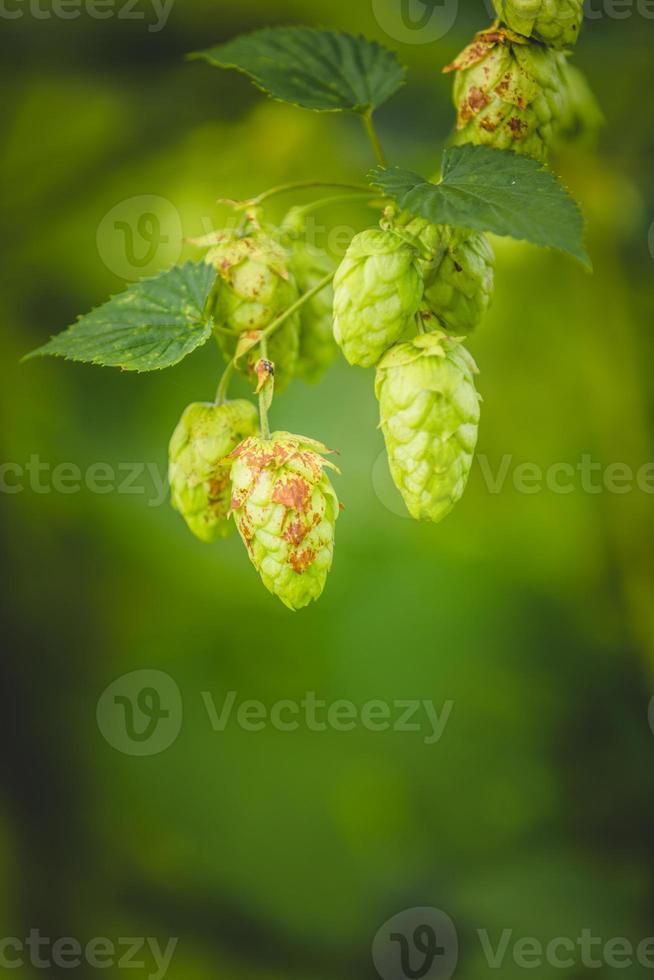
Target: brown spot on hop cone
{"x":292,"y":493}
{"x":301,"y":560}
{"x":296,"y":532}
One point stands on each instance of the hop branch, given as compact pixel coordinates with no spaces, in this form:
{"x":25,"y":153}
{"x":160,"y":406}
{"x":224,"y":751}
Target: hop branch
{"x":401,"y":301}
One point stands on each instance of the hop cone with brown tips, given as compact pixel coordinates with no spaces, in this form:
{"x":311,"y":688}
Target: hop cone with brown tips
{"x":255,"y":286}
{"x":509,"y":93}
{"x":285,"y":510}
{"x":199,"y":475}
{"x":377,"y":292}
{"x":429,"y":410}
{"x":556,"y":23}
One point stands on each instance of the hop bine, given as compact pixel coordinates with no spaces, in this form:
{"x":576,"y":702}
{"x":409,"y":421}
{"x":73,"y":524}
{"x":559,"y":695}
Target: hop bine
{"x":199,"y":476}
{"x":377,"y":292}
{"x":509,"y":93}
{"x":556,"y":23}
{"x":285,"y":510}
{"x":254,"y":286}
{"x":429,"y":410}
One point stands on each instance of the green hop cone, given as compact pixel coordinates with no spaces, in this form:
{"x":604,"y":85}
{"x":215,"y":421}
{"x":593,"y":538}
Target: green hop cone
{"x":377,"y":292}
{"x":199,"y":476}
{"x":309,"y":265}
{"x":509,"y":93}
{"x":429,"y":410}
{"x":254,"y":287}
{"x":285,"y":510}
{"x":556,"y":23}
{"x":459,"y":272}
{"x":582,"y":118}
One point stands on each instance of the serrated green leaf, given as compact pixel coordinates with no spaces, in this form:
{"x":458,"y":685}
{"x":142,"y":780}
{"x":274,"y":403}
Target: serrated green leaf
{"x":152,"y":325}
{"x":315,"y":69}
{"x":492,"y":190}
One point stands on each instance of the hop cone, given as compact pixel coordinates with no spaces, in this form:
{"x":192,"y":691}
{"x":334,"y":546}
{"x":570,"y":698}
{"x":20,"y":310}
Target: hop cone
{"x":509,"y":93}
{"x":286,"y":509}
{"x":556,"y":23}
{"x":429,"y":416}
{"x":377,"y":292}
{"x":309,"y":265}
{"x":582,"y":117}
{"x":254,"y":287}
{"x":459,"y":272}
{"x":199,"y":476}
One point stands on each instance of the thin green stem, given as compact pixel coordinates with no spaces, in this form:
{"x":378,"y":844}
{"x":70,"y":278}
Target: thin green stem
{"x":369,"y":124}
{"x":270,"y":330}
{"x":336,"y":199}
{"x":221,"y":394}
{"x":299,"y":185}
{"x":297,"y":306}
{"x":263,"y":408}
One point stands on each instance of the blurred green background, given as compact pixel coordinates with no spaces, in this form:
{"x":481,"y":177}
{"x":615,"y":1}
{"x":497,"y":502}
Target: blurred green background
{"x":279,"y":854}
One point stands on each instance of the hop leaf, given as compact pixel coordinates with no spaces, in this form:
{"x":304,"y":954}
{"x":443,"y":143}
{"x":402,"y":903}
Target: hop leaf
{"x":285,"y":510}
{"x":556,"y":23}
{"x":508,"y":92}
{"x":199,"y":476}
{"x":254,"y":287}
{"x":377,"y":292}
{"x":429,"y":411}
{"x":317,"y":69}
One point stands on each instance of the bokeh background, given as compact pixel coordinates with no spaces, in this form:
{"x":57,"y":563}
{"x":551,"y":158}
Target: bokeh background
{"x":279,"y":855}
